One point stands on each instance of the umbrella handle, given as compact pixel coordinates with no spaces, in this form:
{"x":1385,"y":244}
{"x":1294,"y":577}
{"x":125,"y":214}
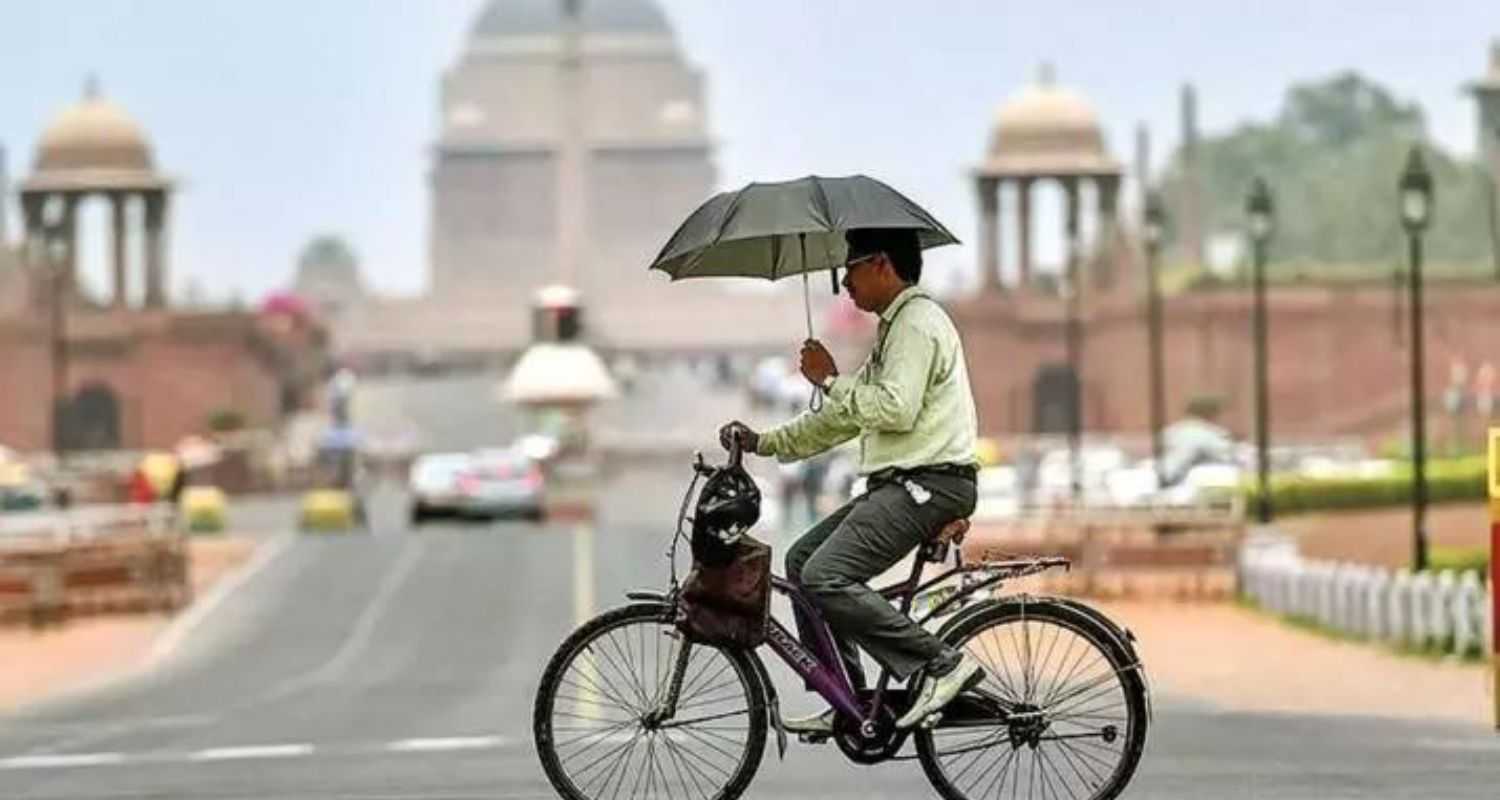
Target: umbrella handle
{"x":814,"y":400}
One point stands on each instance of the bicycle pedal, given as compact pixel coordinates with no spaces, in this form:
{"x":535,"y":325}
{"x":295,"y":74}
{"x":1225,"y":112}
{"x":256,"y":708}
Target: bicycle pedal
{"x":814,"y":738}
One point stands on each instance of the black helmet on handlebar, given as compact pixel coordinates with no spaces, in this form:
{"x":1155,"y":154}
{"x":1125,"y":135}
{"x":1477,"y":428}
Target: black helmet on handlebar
{"x":728,"y":505}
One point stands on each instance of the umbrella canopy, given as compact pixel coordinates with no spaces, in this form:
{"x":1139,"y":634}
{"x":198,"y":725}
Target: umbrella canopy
{"x":772,"y":230}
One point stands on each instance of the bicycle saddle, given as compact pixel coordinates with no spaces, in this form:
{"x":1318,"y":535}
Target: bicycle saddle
{"x":936,"y":550}
{"x":953,"y":532}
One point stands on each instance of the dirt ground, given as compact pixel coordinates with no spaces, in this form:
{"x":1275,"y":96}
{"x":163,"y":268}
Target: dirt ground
{"x":1384,"y":537}
{"x":38,"y":663}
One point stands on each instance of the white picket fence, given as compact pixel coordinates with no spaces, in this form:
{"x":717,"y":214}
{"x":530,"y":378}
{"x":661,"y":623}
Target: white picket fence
{"x":1423,"y":609}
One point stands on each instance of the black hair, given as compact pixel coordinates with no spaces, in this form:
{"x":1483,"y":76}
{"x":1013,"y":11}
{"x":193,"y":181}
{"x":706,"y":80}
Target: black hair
{"x":899,"y":244}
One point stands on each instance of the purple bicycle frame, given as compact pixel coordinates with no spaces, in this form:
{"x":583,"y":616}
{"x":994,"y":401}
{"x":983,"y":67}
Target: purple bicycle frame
{"x":824,"y":669}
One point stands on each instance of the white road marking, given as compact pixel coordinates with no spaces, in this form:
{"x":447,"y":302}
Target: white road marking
{"x":173,"y":636}
{"x":364,"y":628}
{"x":62,"y":761}
{"x":587,"y":704}
{"x":357,"y":640}
{"x":437,"y":744}
{"x":256,"y":751}
{"x":1478,"y":745}
{"x":451,"y":743}
{"x":583,"y":573}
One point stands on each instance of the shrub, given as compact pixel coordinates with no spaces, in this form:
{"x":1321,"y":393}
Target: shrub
{"x":1460,"y":559}
{"x":1448,"y":481}
{"x":225,"y":420}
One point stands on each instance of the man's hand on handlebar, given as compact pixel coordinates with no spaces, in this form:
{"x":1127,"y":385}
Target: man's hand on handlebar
{"x":739,"y":431}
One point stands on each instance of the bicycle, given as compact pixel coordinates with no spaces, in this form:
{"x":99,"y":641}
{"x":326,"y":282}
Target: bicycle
{"x":628,"y":706}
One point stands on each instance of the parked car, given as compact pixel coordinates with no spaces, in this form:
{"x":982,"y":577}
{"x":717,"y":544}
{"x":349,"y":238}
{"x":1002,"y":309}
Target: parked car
{"x":486,"y":484}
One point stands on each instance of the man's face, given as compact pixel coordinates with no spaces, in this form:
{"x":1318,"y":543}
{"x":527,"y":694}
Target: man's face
{"x":863,"y":279}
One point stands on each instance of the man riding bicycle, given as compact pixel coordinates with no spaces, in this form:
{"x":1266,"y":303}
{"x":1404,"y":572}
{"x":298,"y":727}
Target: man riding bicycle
{"x":911,"y":407}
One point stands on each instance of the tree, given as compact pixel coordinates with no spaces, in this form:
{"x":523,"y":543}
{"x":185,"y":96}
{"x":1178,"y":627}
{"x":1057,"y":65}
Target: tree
{"x":1332,"y":157}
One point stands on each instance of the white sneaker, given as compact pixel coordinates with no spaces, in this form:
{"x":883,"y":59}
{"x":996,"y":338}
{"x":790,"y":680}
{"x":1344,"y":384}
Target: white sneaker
{"x":939,"y":692}
{"x":815,"y":724}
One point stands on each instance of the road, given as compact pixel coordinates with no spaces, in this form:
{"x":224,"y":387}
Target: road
{"x":403,"y":664}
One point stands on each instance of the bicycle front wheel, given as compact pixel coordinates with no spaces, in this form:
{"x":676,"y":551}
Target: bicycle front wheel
{"x":1061,"y":712}
{"x":595,"y":722}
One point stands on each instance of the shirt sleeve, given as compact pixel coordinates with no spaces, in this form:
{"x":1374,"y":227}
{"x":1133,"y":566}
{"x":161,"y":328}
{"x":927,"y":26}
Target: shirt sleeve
{"x":892,"y":397}
{"x":808,"y":434}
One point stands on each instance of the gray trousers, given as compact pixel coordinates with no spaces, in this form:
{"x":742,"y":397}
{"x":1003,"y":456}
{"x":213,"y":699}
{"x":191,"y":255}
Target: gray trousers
{"x":834,"y":560}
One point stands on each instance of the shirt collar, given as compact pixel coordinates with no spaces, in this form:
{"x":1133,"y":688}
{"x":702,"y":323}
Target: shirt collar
{"x":900,"y":300}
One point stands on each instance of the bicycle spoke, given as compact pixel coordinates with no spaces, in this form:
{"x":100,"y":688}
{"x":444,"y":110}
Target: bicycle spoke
{"x":621,"y":696}
{"x":703,"y":759}
{"x":689,"y":692}
{"x":1002,"y":673}
{"x":1058,"y":679}
{"x":603,"y":734}
{"x":684,"y":776}
{"x":694,"y":770}
{"x":595,"y":688}
{"x":1067,"y":757}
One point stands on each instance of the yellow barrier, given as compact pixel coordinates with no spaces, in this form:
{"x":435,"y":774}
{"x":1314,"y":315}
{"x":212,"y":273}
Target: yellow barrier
{"x":203,"y":508}
{"x":1495,"y":564}
{"x":328,"y":510}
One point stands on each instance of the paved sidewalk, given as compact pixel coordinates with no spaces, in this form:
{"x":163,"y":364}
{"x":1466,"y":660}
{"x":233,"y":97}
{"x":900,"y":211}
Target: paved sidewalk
{"x":39,"y":663}
{"x":1243,"y":660}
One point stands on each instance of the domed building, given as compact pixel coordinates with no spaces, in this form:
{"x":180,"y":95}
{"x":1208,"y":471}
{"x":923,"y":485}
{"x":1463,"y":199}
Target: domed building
{"x":95,"y":149}
{"x":86,"y":373}
{"x":1046,"y":132}
{"x":328,"y":275}
{"x":571,"y":147}
{"x":569,"y":151}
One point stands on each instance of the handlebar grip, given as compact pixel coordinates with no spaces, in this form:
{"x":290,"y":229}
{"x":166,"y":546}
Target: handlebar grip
{"x":735,"y":454}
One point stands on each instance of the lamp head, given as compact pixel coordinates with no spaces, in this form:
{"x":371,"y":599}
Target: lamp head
{"x":1261,"y":211}
{"x":1416,"y":192}
{"x":1155,"y":220}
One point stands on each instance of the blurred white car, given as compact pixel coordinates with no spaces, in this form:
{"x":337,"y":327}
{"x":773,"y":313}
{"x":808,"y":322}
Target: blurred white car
{"x":486,"y":484}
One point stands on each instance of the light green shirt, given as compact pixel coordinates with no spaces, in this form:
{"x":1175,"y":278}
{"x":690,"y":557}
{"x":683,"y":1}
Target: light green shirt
{"x":909,"y":403}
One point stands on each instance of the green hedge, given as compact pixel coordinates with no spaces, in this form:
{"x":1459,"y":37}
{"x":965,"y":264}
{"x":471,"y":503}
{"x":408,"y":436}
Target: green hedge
{"x":1460,"y":559}
{"x":1448,"y":481}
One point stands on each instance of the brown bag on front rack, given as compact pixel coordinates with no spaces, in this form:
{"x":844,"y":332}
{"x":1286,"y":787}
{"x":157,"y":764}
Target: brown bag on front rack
{"x":728,"y":605}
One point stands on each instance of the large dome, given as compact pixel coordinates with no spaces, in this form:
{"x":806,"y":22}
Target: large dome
{"x":1047,"y":129}
{"x":506,"y":18}
{"x":94,"y":134}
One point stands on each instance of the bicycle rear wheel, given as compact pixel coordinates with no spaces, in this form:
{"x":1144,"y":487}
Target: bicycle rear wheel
{"x":1076,"y":716}
{"x":592,"y":722}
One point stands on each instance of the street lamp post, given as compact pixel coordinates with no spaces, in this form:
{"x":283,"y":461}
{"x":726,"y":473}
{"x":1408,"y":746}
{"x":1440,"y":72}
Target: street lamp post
{"x":1073,"y":343}
{"x":56,"y":246}
{"x":1153,"y":229}
{"x":1416,"y":214}
{"x":1261,"y":212}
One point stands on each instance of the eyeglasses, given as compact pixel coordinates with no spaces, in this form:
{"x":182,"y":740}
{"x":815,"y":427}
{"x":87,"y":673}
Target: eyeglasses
{"x":862,"y":259}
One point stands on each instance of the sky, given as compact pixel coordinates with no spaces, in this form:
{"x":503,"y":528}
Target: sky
{"x":283,"y":119}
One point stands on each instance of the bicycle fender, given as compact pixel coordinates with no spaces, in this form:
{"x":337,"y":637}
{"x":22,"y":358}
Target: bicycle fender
{"x":1123,"y":635}
{"x":646,"y":595}
{"x":773,"y":702}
